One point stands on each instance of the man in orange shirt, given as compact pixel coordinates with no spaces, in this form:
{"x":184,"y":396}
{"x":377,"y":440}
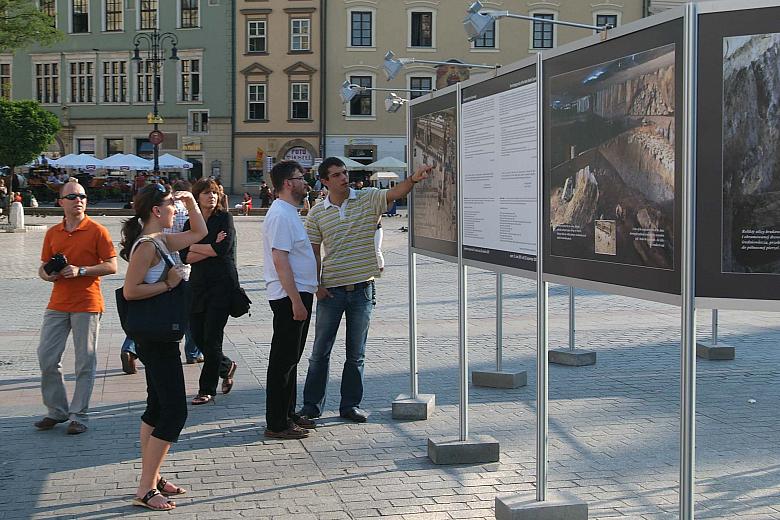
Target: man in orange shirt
{"x":76,"y":305}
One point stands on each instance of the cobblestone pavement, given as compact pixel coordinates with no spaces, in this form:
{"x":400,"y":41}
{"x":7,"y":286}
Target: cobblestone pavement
{"x":614,"y":426}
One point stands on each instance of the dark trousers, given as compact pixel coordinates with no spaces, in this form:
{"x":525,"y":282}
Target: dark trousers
{"x":208,"y":329}
{"x":166,"y":401}
{"x":286,"y":348}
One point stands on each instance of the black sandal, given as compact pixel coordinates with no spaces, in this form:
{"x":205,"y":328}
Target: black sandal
{"x":227,"y":381}
{"x":161,"y":488}
{"x":144,"y":502}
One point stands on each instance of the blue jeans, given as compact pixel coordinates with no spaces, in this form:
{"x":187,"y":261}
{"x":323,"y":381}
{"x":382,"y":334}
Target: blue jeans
{"x":191,"y":350}
{"x":357,"y":305}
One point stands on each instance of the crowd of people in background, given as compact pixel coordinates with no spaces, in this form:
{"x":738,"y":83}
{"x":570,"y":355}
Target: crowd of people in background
{"x":182,"y":233}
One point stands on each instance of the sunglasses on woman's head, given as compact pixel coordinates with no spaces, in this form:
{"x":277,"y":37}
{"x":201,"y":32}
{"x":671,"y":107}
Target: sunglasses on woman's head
{"x":74,"y":196}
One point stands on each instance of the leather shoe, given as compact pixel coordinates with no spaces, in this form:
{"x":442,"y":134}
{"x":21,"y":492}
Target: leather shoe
{"x":47,"y":423}
{"x":75,"y":427}
{"x":128,"y":362}
{"x":355,"y":415}
{"x":303,"y":422}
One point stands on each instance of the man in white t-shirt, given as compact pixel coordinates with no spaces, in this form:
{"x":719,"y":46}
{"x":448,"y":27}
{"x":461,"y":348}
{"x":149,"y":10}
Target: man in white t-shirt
{"x":290,"y":272}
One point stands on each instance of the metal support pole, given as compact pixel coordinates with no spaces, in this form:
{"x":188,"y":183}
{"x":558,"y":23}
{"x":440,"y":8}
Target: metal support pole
{"x":413,"y":324}
{"x":541,"y":315}
{"x":499,"y":320}
{"x":462,"y":304}
{"x":714,"y":327}
{"x":688,"y":268}
{"x":571,"y":318}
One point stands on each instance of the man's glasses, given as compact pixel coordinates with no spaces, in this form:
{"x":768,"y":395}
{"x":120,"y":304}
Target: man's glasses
{"x":74,"y":196}
{"x":297,"y":178}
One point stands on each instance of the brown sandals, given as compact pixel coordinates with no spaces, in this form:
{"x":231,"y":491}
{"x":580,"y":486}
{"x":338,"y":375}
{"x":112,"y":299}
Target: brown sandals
{"x":202,"y":399}
{"x":144,"y":501}
{"x":161,"y":488}
{"x":227,"y":381}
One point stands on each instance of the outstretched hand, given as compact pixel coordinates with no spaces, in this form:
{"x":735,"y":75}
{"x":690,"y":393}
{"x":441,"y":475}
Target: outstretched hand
{"x":421,"y":174}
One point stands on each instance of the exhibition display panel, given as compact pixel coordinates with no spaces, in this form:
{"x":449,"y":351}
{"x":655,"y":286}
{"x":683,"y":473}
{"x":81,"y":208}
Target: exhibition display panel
{"x":433,"y":131}
{"x":612,"y":162}
{"x":738,"y":165}
{"x":499,"y":169}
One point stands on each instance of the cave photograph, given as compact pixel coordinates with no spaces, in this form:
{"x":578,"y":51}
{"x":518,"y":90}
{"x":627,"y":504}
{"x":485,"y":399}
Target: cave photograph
{"x":435,"y":201}
{"x":611,"y":182}
{"x":751,"y":168}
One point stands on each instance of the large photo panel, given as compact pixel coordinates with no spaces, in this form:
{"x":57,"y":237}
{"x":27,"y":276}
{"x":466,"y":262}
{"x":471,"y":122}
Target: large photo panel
{"x":434,"y":201}
{"x":738,"y":155}
{"x":499,"y":164}
{"x":612,"y":160}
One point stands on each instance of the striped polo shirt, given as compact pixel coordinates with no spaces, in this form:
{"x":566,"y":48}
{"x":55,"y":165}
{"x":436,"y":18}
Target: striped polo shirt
{"x":347,"y":236}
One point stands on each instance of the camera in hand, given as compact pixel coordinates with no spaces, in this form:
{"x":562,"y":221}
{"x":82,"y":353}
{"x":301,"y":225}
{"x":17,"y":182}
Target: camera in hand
{"x":56,"y":264}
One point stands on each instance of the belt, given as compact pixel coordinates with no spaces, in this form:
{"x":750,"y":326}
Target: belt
{"x":354,"y":286}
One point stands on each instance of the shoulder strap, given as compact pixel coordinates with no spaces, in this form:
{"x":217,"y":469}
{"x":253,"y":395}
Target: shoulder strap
{"x":164,"y":254}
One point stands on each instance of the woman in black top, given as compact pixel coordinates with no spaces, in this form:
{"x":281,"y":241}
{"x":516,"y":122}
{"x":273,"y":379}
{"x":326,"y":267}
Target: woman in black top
{"x":213,"y":276}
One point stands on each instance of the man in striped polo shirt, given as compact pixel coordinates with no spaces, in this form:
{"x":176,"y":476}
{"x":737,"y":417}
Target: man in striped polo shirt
{"x":344,"y":225}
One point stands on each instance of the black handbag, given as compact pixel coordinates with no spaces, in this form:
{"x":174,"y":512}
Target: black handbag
{"x":160,"y":319}
{"x":239,"y":302}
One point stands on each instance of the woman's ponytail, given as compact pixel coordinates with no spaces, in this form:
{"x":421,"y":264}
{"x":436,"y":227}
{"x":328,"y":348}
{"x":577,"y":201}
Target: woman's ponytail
{"x":131,"y":230}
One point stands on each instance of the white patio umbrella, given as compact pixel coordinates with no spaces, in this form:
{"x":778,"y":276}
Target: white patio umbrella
{"x":384,"y":176}
{"x":54,"y":162}
{"x":171,"y":162}
{"x":387,"y":164}
{"x":83,"y":161}
{"x":349,"y":163}
{"x":120,"y":161}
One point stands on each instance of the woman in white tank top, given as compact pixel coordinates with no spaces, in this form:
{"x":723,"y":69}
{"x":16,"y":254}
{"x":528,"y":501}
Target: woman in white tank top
{"x":147,"y":276}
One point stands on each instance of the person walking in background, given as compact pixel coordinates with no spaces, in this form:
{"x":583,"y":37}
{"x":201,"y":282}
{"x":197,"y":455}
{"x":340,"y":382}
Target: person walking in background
{"x":265,"y":195}
{"x":290,"y":272}
{"x":85,"y":253}
{"x":344,"y":225}
{"x":147,"y":276}
{"x":214,"y":272}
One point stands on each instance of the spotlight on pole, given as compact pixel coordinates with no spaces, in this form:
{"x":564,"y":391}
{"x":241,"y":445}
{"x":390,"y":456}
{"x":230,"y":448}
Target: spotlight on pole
{"x":476,"y":23}
{"x":393,"y":102}
{"x":348,"y":91}
{"x":392,"y":65}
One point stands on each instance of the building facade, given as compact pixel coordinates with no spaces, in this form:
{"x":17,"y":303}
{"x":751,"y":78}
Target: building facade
{"x":360,"y":32}
{"x":103,"y":97}
{"x":277,"y":82}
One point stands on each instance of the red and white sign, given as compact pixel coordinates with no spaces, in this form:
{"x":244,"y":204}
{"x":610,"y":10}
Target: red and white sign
{"x":300,"y":154}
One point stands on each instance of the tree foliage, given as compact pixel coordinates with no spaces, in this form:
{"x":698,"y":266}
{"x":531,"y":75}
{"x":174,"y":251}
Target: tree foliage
{"x":26,"y":130}
{"x":22,"y":23}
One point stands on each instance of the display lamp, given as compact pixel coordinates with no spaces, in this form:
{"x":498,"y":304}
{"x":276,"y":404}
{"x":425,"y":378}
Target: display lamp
{"x":349,"y":90}
{"x":393,"y":102}
{"x":392,"y":65}
{"x":478,"y":21}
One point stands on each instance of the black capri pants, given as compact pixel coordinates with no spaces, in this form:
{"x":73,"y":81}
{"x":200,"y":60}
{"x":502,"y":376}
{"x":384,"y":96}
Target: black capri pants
{"x":166,"y":401}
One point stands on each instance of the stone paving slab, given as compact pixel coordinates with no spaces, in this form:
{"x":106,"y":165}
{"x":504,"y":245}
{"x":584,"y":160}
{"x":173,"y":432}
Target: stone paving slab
{"x":614,"y":426}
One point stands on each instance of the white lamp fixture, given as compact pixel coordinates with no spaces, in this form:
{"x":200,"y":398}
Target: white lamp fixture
{"x":393,"y":65}
{"x":393,"y":102}
{"x":478,"y":21}
{"x":349,"y":90}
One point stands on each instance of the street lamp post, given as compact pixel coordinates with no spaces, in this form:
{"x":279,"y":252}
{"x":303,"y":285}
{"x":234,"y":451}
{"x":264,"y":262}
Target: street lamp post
{"x":155,"y":43}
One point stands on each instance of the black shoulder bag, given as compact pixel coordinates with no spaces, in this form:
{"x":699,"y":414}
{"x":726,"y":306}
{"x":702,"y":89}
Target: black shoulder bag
{"x":162,"y":318}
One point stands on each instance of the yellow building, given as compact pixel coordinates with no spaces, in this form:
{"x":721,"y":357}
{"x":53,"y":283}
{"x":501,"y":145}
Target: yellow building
{"x":277,"y":87}
{"x":360,"y":32}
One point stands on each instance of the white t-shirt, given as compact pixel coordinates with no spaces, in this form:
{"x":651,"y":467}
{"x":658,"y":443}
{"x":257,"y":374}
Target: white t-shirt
{"x":283,"y":230}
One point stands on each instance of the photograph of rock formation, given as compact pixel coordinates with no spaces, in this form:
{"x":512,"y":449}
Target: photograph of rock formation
{"x":751,"y":163}
{"x":606,"y":233}
{"x":612,"y":146}
{"x":435,"y":200}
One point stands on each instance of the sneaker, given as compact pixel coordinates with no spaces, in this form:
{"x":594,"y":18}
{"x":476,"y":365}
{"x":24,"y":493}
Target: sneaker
{"x":288,"y":434}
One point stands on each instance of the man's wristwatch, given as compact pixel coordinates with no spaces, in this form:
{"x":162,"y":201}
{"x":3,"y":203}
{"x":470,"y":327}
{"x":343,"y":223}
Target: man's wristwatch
{"x":82,"y":271}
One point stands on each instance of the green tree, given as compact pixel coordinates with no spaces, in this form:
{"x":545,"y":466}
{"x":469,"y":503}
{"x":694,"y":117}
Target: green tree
{"x":22,"y":23}
{"x":26,"y":130}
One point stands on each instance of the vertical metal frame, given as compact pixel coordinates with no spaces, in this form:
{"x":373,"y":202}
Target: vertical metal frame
{"x":412,"y":259}
{"x":688,"y":272}
{"x":463,"y":357}
{"x":499,"y":321}
{"x":541,"y":304}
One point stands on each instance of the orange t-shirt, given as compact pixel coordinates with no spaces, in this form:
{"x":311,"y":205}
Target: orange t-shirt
{"x":87,"y":245}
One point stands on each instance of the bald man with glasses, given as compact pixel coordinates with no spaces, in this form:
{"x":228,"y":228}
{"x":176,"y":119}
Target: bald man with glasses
{"x":75,"y":254}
